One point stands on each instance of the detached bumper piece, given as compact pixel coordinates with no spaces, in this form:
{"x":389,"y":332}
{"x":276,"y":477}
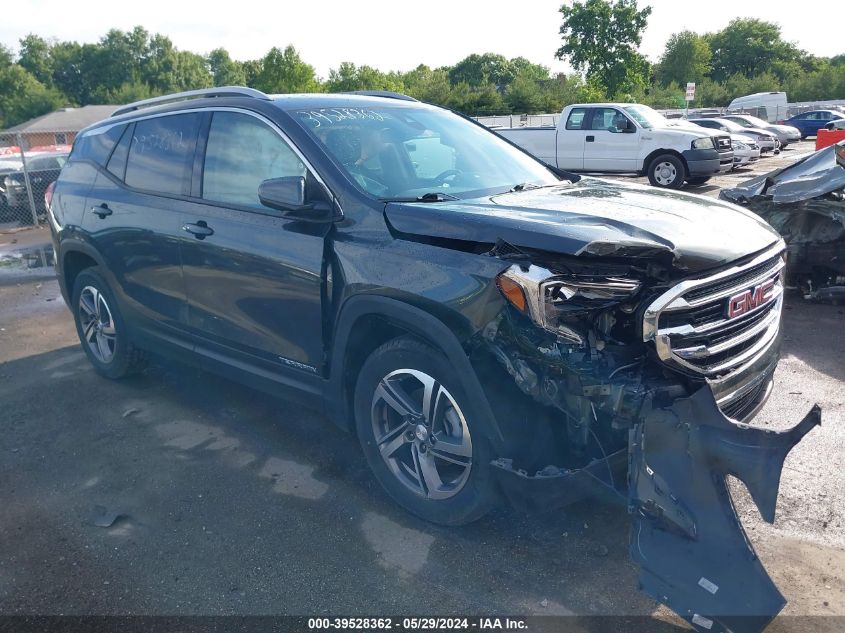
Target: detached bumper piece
{"x":553,"y":488}
{"x":686,"y":536}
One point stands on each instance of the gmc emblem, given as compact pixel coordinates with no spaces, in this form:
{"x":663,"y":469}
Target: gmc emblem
{"x":747,"y":300}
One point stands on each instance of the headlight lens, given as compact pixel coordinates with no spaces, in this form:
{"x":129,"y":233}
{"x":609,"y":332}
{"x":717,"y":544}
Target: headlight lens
{"x":548,"y":298}
{"x":703,"y":143}
{"x":740,"y":145}
{"x":13,"y":182}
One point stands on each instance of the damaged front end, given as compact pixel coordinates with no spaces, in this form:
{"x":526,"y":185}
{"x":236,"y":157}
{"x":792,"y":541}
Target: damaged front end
{"x":805,"y":203}
{"x":653,"y":373}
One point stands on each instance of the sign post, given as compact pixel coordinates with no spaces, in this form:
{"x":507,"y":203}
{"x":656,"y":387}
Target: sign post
{"x":690,"y":96}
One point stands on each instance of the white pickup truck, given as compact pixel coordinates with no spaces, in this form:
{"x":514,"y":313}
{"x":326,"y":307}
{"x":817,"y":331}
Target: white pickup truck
{"x":627,"y":138}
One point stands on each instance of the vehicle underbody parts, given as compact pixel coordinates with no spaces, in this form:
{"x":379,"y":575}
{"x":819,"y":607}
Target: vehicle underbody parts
{"x":615,"y":401}
{"x":805,"y":203}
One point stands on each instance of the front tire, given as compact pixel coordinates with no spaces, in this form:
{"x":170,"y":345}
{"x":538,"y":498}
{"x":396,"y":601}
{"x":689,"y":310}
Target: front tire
{"x":667,"y":172}
{"x":422,"y":435}
{"x":100,"y":326}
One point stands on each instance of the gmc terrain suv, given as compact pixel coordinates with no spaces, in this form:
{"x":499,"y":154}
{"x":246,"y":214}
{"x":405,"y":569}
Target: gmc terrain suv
{"x":484,"y":324}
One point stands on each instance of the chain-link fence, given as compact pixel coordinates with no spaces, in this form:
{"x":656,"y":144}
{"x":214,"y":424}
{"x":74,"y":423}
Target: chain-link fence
{"x":29,"y":164}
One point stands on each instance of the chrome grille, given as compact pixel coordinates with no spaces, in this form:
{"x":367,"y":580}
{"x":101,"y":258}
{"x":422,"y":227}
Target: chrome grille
{"x":692,"y":327}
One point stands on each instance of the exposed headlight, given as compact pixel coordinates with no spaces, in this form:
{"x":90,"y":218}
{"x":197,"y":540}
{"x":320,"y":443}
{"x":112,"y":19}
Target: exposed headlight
{"x":703,"y":143}
{"x":740,"y":145}
{"x":13,"y":182}
{"x":548,"y":298}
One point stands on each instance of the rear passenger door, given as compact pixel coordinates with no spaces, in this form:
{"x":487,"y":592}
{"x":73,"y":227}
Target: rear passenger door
{"x":134,"y":214}
{"x":254,"y":280}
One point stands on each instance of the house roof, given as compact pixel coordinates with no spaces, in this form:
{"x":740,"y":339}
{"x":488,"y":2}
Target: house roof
{"x":65,"y":120}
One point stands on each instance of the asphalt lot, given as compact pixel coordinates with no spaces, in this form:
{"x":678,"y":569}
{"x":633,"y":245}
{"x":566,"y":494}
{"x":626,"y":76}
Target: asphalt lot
{"x":228,"y":501}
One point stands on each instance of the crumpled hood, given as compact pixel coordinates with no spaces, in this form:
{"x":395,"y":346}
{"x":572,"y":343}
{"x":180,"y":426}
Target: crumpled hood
{"x":813,"y":176}
{"x":596,"y":217}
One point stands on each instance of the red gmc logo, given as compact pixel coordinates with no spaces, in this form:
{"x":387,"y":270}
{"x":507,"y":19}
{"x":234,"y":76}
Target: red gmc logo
{"x":747,"y":300}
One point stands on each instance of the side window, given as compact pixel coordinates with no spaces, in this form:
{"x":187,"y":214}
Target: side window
{"x":161,"y":153}
{"x":117,"y":162}
{"x":241,"y":153}
{"x":576,"y":119}
{"x":608,"y":119}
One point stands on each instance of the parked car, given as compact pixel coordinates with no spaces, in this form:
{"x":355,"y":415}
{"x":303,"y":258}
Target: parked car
{"x":836,"y":124}
{"x":769,"y":106}
{"x":627,"y":138}
{"x":809,"y":123}
{"x":746,"y":150}
{"x":766,"y":139}
{"x":42,"y":170}
{"x":481,"y":323}
{"x":786,"y":133}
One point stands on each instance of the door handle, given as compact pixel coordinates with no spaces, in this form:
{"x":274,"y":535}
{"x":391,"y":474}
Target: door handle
{"x":200,"y":230}
{"x":102,"y":210}
{"x":591,"y":138}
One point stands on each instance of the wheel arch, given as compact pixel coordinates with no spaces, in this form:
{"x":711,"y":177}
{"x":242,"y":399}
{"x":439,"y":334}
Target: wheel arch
{"x":75,"y":257}
{"x":660,"y":152}
{"x":367,"y":321}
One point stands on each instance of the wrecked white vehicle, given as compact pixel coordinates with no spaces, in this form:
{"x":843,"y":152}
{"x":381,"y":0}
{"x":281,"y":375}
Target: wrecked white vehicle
{"x":805,"y":202}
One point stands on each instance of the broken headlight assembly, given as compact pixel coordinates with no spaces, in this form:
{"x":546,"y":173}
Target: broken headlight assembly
{"x":549,"y":299}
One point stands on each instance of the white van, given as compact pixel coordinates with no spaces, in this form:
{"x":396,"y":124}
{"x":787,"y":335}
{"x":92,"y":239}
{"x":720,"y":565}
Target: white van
{"x":769,"y":106}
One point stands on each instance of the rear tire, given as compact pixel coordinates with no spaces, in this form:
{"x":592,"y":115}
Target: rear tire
{"x":101,"y":328}
{"x":434,"y":459}
{"x":667,"y":172}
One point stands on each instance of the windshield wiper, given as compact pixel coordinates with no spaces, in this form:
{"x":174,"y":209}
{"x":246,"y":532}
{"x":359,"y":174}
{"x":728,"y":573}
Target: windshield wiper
{"x":431,"y":196}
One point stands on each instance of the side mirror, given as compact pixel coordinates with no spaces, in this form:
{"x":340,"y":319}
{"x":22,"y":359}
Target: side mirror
{"x":626,"y":127}
{"x":288,"y":195}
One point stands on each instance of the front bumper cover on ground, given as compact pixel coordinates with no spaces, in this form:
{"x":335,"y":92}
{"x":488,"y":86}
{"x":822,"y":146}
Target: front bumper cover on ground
{"x":693,"y":553}
{"x":686,"y":537}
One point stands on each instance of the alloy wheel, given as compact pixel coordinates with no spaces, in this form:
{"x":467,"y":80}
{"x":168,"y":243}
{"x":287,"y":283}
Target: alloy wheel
{"x":98,"y":330}
{"x":421,"y":434}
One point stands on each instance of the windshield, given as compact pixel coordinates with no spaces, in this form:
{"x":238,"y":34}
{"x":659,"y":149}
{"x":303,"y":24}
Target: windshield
{"x":646,"y":117}
{"x":407,"y":152}
{"x":751,"y":121}
{"x":731,"y":126}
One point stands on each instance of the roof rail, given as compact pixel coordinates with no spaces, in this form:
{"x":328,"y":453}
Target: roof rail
{"x":222,"y":91}
{"x":387,"y":94}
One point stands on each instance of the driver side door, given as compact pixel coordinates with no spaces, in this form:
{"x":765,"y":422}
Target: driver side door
{"x":607,"y":147}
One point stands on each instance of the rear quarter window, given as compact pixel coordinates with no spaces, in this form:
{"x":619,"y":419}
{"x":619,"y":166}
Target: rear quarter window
{"x":96,"y":145}
{"x":575,"y":121}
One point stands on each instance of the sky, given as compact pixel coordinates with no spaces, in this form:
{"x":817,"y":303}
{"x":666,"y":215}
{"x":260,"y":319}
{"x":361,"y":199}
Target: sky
{"x":389,"y":35}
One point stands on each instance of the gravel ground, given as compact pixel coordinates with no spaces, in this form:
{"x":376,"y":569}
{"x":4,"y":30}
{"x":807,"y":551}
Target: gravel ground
{"x":228,"y":501}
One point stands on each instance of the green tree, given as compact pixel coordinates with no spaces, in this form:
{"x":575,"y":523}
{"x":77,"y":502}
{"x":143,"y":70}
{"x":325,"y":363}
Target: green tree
{"x":425,"y":84}
{"x":749,"y":46}
{"x":478,"y":70}
{"x":686,"y":58}
{"x":35,"y":57}
{"x":224,"y":71}
{"x":23,"y":97}
{"x":525,"y":95}
{"x":349,"y":77}
{"x":76,"y":71}
{"x":600,"y":38}
{"x":283,"y":71}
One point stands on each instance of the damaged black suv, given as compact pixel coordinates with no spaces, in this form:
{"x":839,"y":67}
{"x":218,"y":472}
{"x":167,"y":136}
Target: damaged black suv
{"x":484,"y":325}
